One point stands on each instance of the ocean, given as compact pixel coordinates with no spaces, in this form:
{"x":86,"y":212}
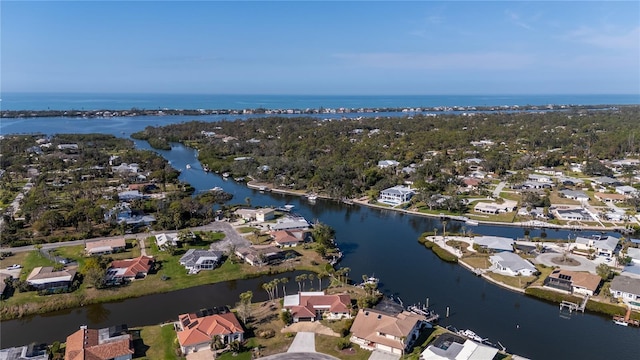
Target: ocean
{"x":89,"y":101}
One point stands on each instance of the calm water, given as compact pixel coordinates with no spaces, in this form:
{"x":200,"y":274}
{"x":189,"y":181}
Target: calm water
{"x":379,"y":242}
{"x":62,"y":101}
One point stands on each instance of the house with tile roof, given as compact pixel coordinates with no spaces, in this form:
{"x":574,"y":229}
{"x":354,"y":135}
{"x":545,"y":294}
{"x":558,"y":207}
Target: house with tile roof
{"x":104,"y":344}
{"x":130,"y":269}
{"x":45,"y":278}
{"x":577,"y":282}
{"x":289,"y":238}
{"x":377,"y":330}
{"x":316,"y":305}
{"x":196,"y":330}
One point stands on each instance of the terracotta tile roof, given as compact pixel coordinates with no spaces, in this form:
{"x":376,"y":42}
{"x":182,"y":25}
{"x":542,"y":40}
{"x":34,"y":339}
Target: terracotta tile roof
{"x":141,"y":264}
{"x":308,"y":304}
{"x":369,"y":323}
{"x":203,"y":329}
{"x":287,"y":236}
{"x":579,"y":278}
{"x":85,"y":344}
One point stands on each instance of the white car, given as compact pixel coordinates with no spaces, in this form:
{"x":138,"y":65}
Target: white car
{"x":14,"y":267}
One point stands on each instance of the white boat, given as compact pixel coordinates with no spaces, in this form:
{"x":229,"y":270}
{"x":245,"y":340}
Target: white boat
{"x":471,"y":335}
{"x":471,"y":222}
{"x":225,"y":175}
{"x":312,"y":197}
{"x":621,"y":323}
{"x":216,"y":188}
{"x":288,"y":207}
{"x":371,"y":280}
{"x":188,"y":166}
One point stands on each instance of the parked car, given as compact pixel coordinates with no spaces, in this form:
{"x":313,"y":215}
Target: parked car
{"x":14,"y":267}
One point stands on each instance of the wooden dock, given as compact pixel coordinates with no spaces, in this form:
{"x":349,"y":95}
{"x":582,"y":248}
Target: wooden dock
{"x":573,"y":306}
{"x":626,"y":320}
{"x":430,"y":315}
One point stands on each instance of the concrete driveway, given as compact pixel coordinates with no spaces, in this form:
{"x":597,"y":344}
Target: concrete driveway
{"x":304,"y":342}
{"x":585,"y":264}
{"x":381,"y":355}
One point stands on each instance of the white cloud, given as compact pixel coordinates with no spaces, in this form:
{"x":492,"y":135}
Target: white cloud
{"x":517,"y":20}
{"x":443,"y":61}
{"x":605,"y":39}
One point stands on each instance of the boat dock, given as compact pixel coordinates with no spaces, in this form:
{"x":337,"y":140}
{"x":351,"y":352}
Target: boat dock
{"x":429,"y":315}
{"x":573,"y":306}
{"x":626,"y":320}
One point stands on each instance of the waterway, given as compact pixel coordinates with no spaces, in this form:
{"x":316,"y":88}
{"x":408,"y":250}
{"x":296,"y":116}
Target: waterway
{"x":375,"y":242}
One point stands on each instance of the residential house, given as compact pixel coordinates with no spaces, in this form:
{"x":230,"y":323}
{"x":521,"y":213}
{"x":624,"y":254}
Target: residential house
{"x":634,"y":254}
{"x":167,"y":239}
{"x":125,"y":168}
{"x":112,"y":343}
{"x":626,"y":190}
{"x":508,"y":263}
{"x":606,"y":181}
{"x":383,"y":164}
{"x":602,"y":245}
{"x":453,"y":347}
{"x":69,"y":147}
{"x":316,"y":305}
{"x":536,"y":185}
{"x":393,"y":333}
{"x":45,"y":278}
{"x":130,"y":195}
{"x":494,"y":243}
{"x":471,"y":183}
{"x":195,"y":260}
{"x":265,"y":214}
{"x":627,"y":290}
{"x":576,"y":282}
{"x":396,"y":195}
{"x":495,"y":207}
{"x":478,"y":174}
{"x":196,"y":331}
{"x":573,"y":214}
{"x":27,"y":352}
{"x":260,"y":255}
{"x":609,"y":198}
{"x":103,"y":247}
{"x":575,"y":195}
{"x":130,"y":269}
{"x":246,"y":214}
{"x":540,"y":178}
{"x":290,"y":223}
{"x":289,"y":238}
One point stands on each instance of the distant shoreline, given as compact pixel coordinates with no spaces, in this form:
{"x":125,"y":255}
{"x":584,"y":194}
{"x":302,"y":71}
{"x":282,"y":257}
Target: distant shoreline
{"x":403,"y":110}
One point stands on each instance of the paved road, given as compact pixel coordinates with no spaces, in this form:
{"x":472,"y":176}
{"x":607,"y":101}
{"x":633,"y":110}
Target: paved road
{"x":232,"y":237}
{"x":299,"y":356}
{"x":585,"y":264}
{"x":305,"y":342}
{"x":381,"y":355}
{"x":498,"y":190}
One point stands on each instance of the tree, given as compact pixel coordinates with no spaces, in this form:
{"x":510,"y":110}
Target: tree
{"x":95,"y":272}
{"x":323,"y":234}
{"x":244,"y":307}
{"x":604,"y":271}
{"x":286,"y":317}
{"x":300,"y":280}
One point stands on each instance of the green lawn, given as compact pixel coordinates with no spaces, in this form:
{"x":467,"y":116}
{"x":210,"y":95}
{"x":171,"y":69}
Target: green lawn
{"x":329,"y":345}
{"x":158,"y":342}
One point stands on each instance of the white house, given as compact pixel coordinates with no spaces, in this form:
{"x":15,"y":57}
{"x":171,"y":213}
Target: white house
{"x":163,"y":240}
{"x":604,"y":246}
{"x":196,"y":260}
{"x":575,"y":195}
{"x":634,"y":254}
{"x":383,"y":164}
{"x":449,"y":349}
{"x":494,"y":207}
{"x":626,"y":289}
{"x":495,"y":243}
{"x":265,"y":214}
{"x":396,"y":195}
{"x":511,"y":264}
{"x":626,"y":190}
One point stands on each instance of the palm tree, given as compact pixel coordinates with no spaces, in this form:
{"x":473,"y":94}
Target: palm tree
{"x":311,"y":277}
{"x":283,"y":281}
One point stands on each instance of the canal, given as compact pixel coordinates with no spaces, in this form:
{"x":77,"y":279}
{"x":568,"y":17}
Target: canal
{"x":375,"y":242}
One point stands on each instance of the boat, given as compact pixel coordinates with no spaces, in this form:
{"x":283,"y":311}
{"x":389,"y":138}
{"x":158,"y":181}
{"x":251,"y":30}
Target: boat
{"x":216,"y":188}
{"x":239,"y":179}
{"x":471,"y":222}
{"x":188,"y":166}
{"x":620,"y":322}
{"x":312,"y":197}
{"x":263,"y":188}
{"x":370,"y":280}
{"x":225,"y":175}
{"x":288,"y":207}
{"x":471,"y":335}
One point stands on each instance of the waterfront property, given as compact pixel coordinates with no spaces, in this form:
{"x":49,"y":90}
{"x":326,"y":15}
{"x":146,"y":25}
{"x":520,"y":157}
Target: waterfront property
{"x":508,"y":263}
{"x":377,"y":330}
{"x":396,"y":195}
{"x":495,"y":207}
{"x":574,"y":214}
{"x":453,"y":347}
{"x":259,"y":215}
{"x":27,"y":352}
{"x":316,"y":305}
{"x":290,"y":223}
{"x":103,"y":247}
{"x":130,"y":269}
{"x":603,"y":246}
{"x":289,"y":238}
{"x":576,"y":282}
{"x":494,"y":243}
{"x":627,"y":290}
{"x":104,"y":344}
{"x":196,"y":331}
{"x":256,"y":255}
{"x":46,"y":278}
{"x":195,"y":260}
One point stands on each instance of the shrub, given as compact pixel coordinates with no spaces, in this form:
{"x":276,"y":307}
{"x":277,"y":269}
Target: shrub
{"x":344,"y":343}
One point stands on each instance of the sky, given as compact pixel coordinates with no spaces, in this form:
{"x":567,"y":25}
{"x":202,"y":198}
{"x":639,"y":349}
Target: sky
{"x":321,"y":48}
